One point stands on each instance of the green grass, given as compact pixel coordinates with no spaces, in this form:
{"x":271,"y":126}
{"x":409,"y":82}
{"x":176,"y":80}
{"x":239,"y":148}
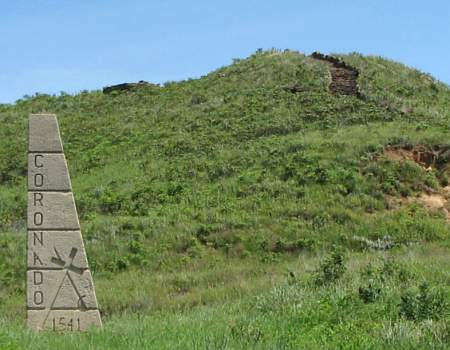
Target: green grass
{"x":207,"y":206}
{"x":289,"y":312}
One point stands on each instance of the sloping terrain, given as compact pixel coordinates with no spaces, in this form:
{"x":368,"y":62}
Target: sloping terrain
{"x":254,"y":207}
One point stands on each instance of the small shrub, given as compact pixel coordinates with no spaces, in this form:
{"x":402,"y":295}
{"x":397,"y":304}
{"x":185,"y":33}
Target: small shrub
{"x":301,"y":244}
{"x":121,"y":264}
{"x":423,"y":303}
{"x":198,"y":99}
{"x":331,"y":268}
{"x":370,"y":292}
{"x":375,"y":277}
{"x":393,"y":269}
{"x":270,"y":258}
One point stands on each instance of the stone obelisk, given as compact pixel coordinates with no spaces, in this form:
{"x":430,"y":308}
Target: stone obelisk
{"x":60,"y":290}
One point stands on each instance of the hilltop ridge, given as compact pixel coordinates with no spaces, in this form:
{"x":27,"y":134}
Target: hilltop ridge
{"x":205,"y":192}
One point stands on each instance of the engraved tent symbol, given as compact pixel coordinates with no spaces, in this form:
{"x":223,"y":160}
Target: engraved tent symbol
{"x":68,"y":295}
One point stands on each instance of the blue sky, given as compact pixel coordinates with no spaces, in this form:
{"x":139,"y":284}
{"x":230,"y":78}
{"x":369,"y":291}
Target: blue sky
{"x":50,"y":46}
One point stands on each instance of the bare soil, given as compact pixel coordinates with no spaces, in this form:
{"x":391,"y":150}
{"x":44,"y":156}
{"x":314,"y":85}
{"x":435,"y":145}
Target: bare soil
{"x":429,"y":159}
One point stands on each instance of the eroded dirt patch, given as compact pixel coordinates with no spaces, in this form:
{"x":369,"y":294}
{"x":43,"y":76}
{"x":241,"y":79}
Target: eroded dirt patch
{"x":436,"y":201}
{"x":424,"y":156}
{"x":436,"y":158}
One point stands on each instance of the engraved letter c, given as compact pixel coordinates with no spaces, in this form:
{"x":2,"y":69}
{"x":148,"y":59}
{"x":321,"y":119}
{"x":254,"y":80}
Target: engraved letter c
{"x":36,"y":164}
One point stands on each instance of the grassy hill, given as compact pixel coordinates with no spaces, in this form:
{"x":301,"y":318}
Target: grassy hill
{"x":250,"y":208}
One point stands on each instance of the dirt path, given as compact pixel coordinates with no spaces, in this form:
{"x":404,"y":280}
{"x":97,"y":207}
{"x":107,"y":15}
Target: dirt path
{"x":344,"y":78}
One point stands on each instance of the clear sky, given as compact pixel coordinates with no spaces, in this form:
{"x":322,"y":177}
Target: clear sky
{"x":50,"y":46}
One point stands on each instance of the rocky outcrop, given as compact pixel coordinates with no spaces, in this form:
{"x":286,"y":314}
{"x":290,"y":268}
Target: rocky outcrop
{"x":127,"y":86}
{"x":344,"y":78}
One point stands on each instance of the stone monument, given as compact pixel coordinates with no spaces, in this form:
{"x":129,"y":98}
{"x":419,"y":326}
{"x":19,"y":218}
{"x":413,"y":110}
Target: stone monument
{"x":60,"y":290}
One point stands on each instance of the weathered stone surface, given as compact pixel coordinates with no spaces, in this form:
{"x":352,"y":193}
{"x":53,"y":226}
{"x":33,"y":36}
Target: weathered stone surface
{"x":52,"y":210}
{"x":130,"y":86}
{"x":63,"y":320}
{"x":48,"y":171}
{"x":46,"y":249}
{"x":344,"y":78}
{"x":69,"y":288}
{"x":60,"y":290}
{"x":43,"y":131}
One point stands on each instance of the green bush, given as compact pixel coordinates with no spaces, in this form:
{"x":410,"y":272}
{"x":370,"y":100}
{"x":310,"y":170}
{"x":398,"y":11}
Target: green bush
{"x":331,"y":268}
{"x":371,"y":291}
{"x":423,"y":303}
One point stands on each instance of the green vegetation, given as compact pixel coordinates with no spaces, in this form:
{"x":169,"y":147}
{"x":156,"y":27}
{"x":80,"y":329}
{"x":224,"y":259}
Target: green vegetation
{"x":235,"y":212}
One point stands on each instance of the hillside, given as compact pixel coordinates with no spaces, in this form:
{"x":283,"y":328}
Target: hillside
{"x":252,"y":207}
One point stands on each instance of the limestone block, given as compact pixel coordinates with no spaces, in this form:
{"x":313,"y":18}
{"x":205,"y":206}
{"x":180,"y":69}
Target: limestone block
{"x":48,"y":171}
{"x":52,"y":210}
{"x":55,"y":249}
{"x":67,"y":289}
{"x":43,"y":131}
{"x":63,"y":320}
